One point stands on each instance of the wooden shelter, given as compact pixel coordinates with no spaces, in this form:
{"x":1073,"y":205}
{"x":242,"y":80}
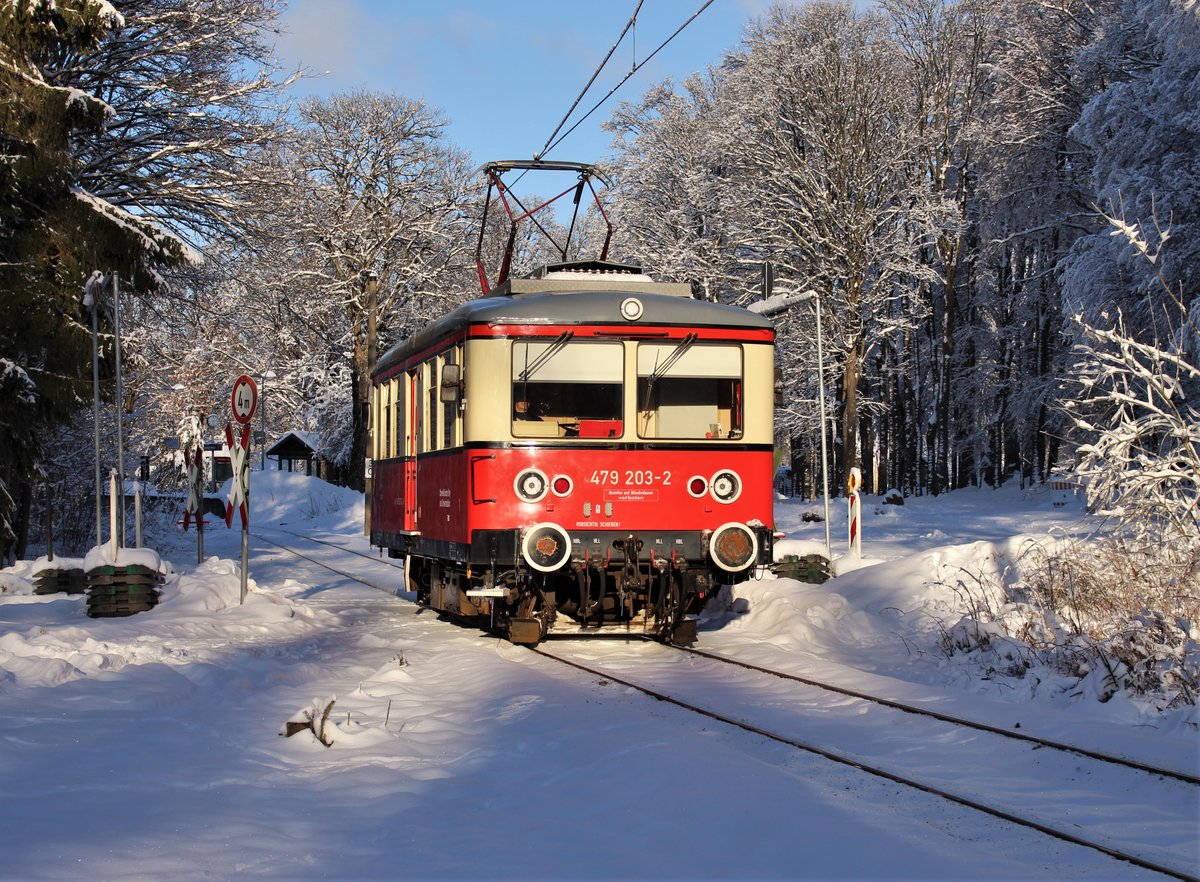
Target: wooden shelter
{"x":296,"y":448}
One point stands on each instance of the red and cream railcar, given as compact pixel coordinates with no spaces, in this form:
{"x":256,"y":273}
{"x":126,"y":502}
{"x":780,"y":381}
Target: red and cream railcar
{"x":583,"y":450}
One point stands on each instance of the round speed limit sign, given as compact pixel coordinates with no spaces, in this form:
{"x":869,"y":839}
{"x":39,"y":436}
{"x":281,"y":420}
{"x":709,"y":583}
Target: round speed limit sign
{"x":245,"y":399}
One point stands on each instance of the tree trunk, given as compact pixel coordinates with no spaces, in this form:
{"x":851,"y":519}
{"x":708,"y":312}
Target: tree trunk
{"x":360,"y":406}
{"x":22,"y":526}
{"x":850,"y":407}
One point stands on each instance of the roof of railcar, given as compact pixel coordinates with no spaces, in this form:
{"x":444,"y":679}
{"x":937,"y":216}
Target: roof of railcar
{"x":576,"y":302}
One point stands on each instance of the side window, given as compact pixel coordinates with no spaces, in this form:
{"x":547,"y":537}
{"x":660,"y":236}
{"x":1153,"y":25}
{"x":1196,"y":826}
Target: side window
{"x":399,"y":415}
{"x":383,"y":428}
{"x":431,"y":391}
{"x":419,"y":416}
{"x":450,"y":419}
{"x":564,"y":389}
{"x":689,"y":391}
{"x":374,"y":422}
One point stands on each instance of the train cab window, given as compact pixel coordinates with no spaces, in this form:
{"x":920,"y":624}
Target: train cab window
{"x":689,"y":390}
{"x":567,"y":389}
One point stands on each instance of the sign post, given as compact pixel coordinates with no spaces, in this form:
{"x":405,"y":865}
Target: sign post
{"x":195,"y":503}
{"x":245,"y":402}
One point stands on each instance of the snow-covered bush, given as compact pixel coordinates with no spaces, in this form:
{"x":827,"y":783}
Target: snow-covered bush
{"x":1123,"y":605}
{"x":1097,"y":615}
{"x":1122,"y":612}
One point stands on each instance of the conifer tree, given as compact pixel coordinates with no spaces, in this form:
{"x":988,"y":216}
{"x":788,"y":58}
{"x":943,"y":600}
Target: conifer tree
{"x":44,"y":348}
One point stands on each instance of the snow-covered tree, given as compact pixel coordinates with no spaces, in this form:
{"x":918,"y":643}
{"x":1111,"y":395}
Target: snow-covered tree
{"x":1133,"y":284}
{"x":369,"y":229}
{"x":128,"y":135}
{"x":1143,"y":133}
{"x":1142,"y":448}
{"x":947,"y":48}
{"x":194,"y":94}
{"x":671,"y":187}
{"x":48,"y":237}
{"x":1034,"y":202}
{"x":825,"y":163}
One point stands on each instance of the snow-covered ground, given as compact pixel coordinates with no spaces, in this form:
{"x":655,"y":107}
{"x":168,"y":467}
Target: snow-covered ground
{"x":149,"y":747}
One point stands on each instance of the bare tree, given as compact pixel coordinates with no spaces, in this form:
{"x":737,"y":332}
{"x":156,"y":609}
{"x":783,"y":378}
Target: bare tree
{"x":826,"y":159}
{"x":371,"y":220}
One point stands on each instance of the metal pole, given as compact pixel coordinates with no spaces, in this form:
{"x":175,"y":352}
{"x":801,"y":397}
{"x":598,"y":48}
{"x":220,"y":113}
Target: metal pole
{"x":372,"y":283}
{"x":824,"y":448}
{"x":245,"y":551}
{"x":96,"y":408}
{"x":120,"y":401}
{"x":245,"y":476}
{"x":198,"y":489}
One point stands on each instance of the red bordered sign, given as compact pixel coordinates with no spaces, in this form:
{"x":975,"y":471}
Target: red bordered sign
{"x":245,"y":399}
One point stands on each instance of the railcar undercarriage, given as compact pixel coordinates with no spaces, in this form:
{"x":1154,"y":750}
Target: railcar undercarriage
{"x":622,"y":592}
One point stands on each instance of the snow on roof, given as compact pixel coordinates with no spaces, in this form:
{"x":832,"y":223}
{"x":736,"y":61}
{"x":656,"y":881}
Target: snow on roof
{"x":307,"y":439}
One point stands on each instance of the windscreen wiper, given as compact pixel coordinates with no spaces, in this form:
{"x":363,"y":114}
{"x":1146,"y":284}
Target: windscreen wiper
{"x":552,"y":350}
{"x":660,"y":370}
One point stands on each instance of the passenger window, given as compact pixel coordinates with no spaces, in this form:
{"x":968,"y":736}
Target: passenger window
{"x":399,"y":416}
{"x":450,"y":418}
{"x":375,"y":395}
{"x":419,"y":415}
{"x":567,"y":389}
{"x":431,"y":390}
{"x":384,"y":424}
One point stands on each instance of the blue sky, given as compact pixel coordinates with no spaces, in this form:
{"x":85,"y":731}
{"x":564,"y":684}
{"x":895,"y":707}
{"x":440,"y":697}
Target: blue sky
{"x":505,"y":73}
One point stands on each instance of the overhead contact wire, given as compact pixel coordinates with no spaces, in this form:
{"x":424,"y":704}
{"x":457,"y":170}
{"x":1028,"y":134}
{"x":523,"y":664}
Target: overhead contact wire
{"x":550,"y":146}
{"x":629,"y":24}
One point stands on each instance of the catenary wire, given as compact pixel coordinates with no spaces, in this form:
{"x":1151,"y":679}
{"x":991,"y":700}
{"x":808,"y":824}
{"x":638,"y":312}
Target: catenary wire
{"x":629,"y":24}
{"x":554,"y":143}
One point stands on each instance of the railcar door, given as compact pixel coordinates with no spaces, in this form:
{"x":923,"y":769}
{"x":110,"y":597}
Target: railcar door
{"x":412,"y":433}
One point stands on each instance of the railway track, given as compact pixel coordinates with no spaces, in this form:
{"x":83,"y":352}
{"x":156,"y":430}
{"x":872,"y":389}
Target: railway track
{"x":313,"y":560}
{"x":955,"y":720}
{"x":387,"y":561}
{"x":894,"y":769}
{"x":896,"y":773}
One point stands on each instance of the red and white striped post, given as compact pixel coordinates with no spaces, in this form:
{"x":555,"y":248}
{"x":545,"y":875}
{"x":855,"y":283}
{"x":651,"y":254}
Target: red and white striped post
{"x":855,"y":503}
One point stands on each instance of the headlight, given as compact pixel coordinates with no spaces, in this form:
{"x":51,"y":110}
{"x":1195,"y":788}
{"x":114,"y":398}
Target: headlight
{"x":531,"y":485}
{"x":546,"y":547}
{"x":726,"y":486}
{"x":733,"y":547}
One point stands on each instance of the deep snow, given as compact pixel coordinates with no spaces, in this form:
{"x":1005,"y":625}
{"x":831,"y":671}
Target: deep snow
{"x":149,"y":747}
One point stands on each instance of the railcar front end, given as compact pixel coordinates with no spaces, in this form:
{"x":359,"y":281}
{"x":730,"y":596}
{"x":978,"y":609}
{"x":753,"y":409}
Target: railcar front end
{"x":584,"y":451}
